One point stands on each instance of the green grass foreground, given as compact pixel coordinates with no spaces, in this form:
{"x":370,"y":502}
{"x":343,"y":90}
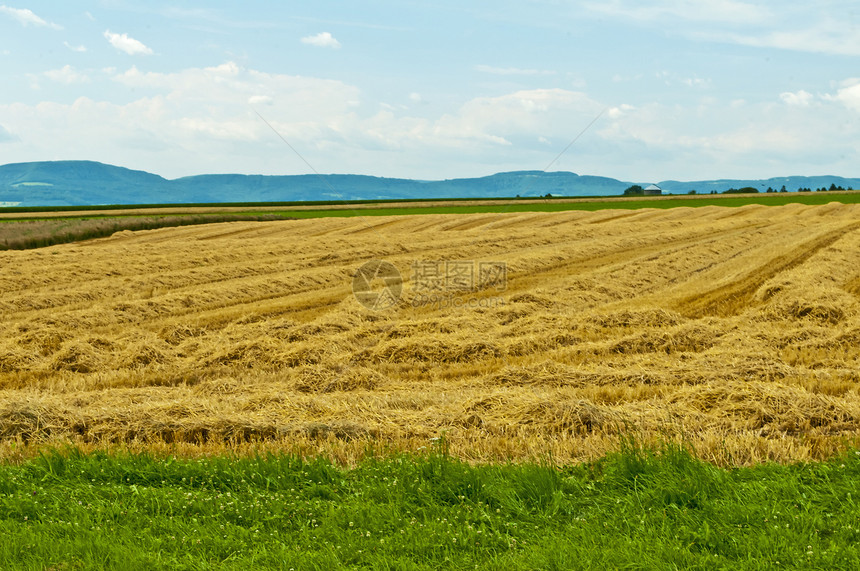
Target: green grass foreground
{"x":633,"y":509}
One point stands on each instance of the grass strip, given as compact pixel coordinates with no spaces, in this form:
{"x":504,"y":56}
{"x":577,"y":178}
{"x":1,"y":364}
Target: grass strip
{"x":634,"y":509}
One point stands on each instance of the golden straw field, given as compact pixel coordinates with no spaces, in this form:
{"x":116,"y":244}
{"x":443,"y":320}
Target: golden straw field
{"x":734,"y":330}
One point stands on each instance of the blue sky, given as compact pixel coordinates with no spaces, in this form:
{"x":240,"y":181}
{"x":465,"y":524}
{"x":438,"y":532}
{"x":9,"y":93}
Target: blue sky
{"x":681,"y":89}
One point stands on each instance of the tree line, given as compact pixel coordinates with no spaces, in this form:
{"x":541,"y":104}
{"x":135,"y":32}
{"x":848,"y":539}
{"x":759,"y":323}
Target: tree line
{"x":637,"y":190}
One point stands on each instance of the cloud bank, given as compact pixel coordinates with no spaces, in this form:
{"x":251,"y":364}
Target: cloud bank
{"x":203,"y":120}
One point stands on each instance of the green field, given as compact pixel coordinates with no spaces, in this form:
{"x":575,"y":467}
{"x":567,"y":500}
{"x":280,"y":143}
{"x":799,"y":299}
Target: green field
{"x":634,"y":510}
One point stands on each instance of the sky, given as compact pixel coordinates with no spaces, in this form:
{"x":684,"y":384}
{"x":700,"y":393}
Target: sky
{"x":638,"y":90}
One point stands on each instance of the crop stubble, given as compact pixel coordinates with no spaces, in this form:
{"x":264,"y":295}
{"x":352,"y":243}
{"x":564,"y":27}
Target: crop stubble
{"x":735,"y":330}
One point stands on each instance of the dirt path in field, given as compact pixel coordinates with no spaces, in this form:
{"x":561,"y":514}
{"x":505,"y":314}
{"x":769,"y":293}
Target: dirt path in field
{"x":736,"y":330}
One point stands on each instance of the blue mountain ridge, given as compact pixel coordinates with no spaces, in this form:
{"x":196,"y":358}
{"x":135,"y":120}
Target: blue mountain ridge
{"x":82,"y":183}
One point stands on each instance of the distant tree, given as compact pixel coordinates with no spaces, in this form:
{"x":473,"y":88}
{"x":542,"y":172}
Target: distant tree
{"x":770,"y":189}
{"x":634,"y":190}
{"x":693,"y":192}
{"x":783,"y":189}
{"x":833,"y":186}
{"x":744,"y":190}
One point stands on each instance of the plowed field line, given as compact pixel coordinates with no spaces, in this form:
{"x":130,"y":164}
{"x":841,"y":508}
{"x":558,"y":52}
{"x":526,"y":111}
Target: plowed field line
{"x":623,"y":254}
{"x":544,"y":275}
{"x":728,"y":299}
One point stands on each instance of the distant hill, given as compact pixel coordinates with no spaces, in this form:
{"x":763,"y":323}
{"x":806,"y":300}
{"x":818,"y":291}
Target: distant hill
{"x":74,"y":183}
{"x":62,"y":183}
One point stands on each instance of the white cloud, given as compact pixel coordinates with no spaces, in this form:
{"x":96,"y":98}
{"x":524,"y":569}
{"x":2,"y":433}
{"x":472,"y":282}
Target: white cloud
{"x":827,"y":36}
{"x":260,"y":100}
{"x":322,"y":40}
{"x":512,"y":70}
{"x":126,"y":44}
{"x":801,"y":98}
{"x":616,"y":112}
{"x":200,"y":105}
{"x":66,"y":74}
{"x":515,"y":120}
{"x":79,"y":49}
{"x":416,"y":97}
{"x":825,"y":27}
{"x":26,"y":17}
{"x":848,"y":95}
{"x":229,"y":89}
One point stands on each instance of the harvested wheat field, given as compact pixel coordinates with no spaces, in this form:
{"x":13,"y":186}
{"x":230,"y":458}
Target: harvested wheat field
{"x":734,"y":330}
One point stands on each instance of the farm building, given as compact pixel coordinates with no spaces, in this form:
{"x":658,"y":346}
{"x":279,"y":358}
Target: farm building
{"x":652,"y":189}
